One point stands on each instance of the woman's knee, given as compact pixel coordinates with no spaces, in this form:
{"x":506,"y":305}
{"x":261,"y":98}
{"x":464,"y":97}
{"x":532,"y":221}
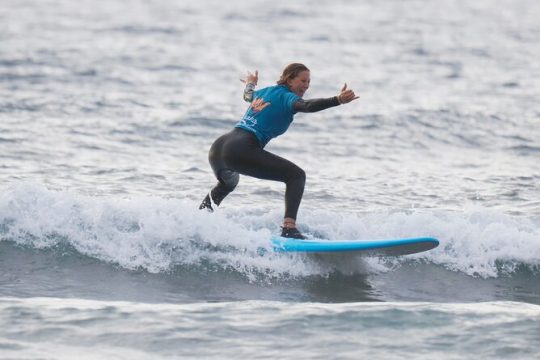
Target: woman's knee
{"x":298,"y":175}
{"x":229,"y":179}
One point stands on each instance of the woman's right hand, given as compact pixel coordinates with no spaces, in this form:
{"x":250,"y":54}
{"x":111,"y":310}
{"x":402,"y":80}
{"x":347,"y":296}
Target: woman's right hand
{"x":251,"y":78}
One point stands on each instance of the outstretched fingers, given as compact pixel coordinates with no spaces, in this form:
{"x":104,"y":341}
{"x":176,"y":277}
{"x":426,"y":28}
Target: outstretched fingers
{"x":251,"y":78}
{"x":346,"y":95}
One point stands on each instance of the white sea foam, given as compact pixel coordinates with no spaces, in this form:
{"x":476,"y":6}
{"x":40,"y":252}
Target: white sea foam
{"x":158,"y":234}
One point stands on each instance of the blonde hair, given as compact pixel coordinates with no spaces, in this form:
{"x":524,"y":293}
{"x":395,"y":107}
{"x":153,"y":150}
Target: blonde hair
{"x":290,"y":72}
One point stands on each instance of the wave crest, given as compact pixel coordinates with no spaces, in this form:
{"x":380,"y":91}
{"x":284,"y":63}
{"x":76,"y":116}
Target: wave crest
{"x":159,"y":235}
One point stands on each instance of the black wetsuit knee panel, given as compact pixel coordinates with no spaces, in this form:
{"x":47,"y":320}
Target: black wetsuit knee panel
{"x":296,"y":173}
{"x":228,"y":178}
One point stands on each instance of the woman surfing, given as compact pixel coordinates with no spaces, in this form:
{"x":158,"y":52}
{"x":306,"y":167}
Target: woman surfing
{"x":241,"y":151}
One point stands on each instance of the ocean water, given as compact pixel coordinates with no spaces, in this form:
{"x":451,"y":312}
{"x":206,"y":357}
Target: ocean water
{"x":107,"y":112}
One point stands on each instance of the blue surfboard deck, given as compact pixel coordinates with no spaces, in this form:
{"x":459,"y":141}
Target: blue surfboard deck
{"x":392,"y":247}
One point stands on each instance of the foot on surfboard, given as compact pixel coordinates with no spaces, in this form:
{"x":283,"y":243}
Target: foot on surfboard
{"x":292,"y":233}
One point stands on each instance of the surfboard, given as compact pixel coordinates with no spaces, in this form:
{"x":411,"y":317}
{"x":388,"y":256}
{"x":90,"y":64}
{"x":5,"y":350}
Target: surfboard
{"x":392,"y":247}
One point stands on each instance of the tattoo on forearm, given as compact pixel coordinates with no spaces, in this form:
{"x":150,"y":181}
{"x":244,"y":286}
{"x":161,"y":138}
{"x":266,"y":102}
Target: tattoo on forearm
{"x":248,"y":92}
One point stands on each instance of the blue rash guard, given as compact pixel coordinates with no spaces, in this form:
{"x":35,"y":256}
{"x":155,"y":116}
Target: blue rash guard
{"x":275,"y":118}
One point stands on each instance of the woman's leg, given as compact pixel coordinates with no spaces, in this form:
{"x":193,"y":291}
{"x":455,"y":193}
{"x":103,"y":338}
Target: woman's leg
{"x":239,"y":152}
{"x":265,"y":165}
{"x":262,"y":164}
{"x":227,"y":181}
{"x":227,"y":178}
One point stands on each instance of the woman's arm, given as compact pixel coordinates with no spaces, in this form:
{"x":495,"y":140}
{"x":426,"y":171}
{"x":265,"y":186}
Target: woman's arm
{"x":315,"y":105}
{"x":251,"y":82}
{"x":248,"y":92}
{"x":346,"y":96}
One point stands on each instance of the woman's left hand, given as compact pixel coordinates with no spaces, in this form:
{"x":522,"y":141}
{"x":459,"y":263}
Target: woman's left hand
{"x":346,"y":95}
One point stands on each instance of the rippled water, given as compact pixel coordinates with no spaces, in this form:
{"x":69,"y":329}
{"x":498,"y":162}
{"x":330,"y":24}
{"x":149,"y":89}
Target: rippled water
{"x":269,"y":330}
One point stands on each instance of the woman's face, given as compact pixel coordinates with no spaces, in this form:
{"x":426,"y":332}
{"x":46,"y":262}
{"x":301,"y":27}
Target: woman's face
{"x":299,"y":84}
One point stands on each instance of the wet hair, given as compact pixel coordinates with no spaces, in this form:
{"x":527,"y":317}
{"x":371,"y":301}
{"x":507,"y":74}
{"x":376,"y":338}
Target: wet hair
{"x":290,"y":72}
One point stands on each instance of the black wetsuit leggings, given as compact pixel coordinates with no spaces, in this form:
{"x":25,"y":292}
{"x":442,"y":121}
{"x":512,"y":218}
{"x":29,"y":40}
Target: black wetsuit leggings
{"x":239,"y":152}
